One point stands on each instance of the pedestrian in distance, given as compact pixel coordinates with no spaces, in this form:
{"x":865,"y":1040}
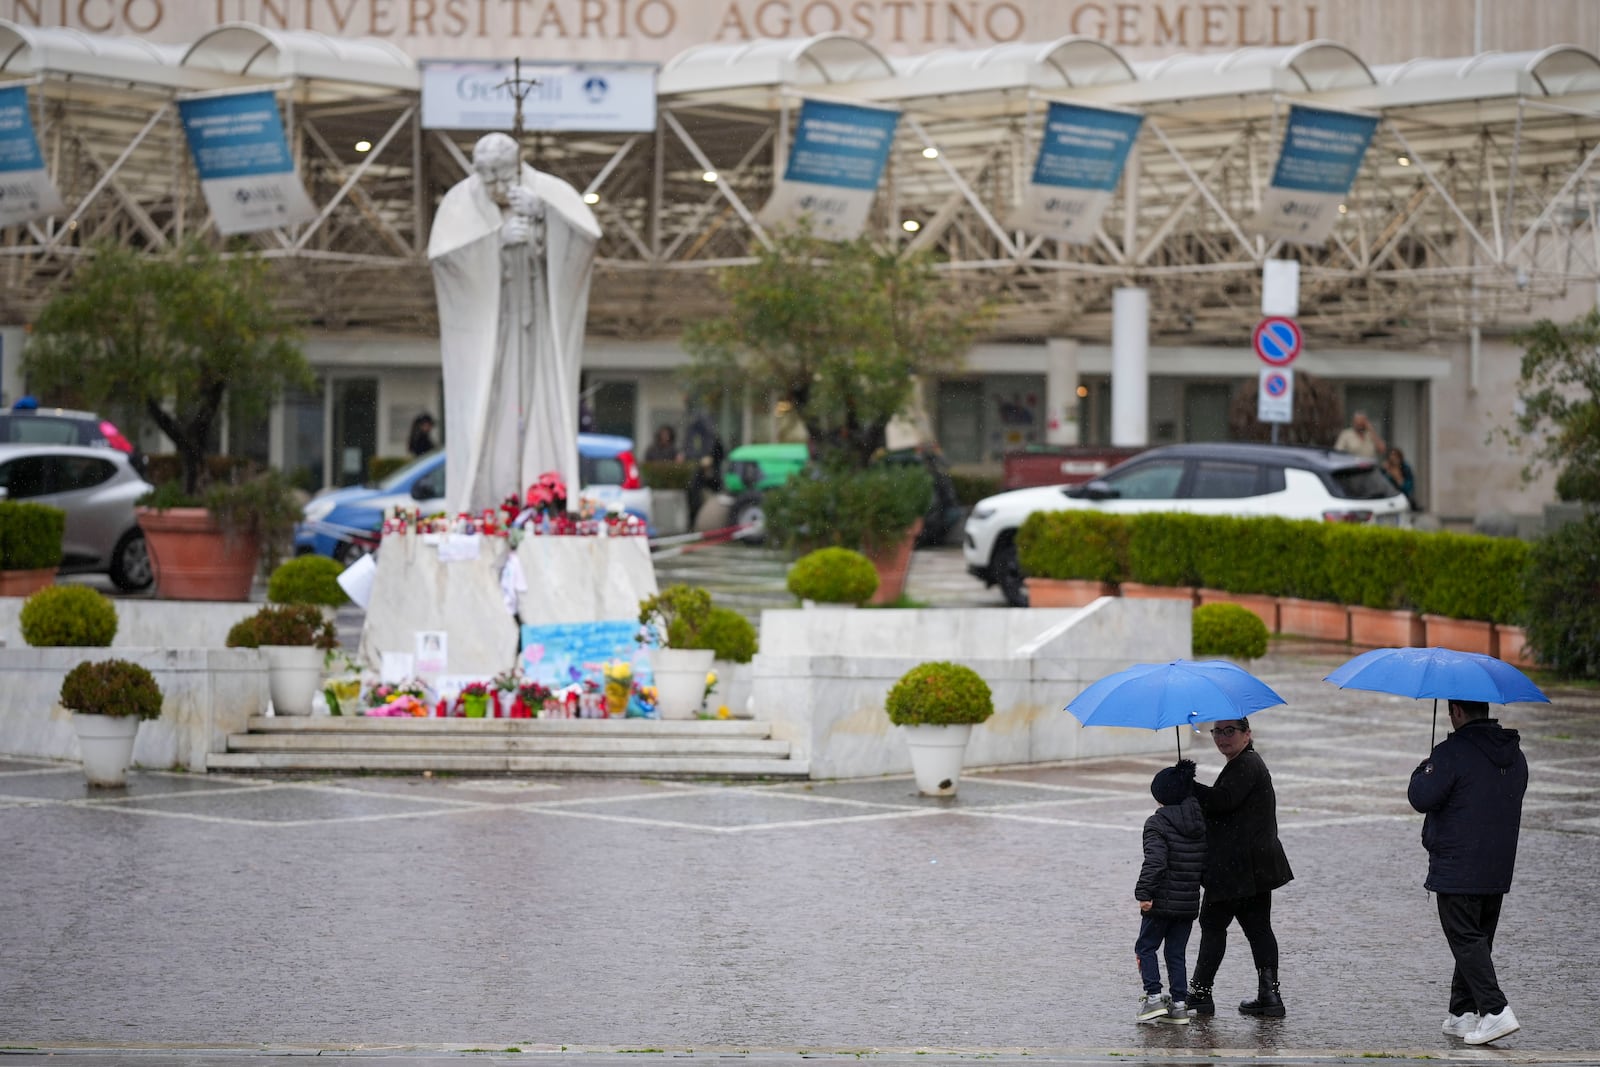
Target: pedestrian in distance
{"x":1168,"y":892}
{"x":1245,"y":862}
{"x":420,"y":441}
{"x":1469,"y":790}
{"x":1360,"y":438}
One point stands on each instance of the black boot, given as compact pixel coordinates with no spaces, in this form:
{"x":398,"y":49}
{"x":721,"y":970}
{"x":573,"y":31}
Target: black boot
{"x":1200,"y":1001}
{"x":1267,"y":1001}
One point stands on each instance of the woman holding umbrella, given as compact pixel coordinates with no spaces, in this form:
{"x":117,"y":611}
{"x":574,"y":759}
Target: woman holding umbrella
{"x":1245,"y":862}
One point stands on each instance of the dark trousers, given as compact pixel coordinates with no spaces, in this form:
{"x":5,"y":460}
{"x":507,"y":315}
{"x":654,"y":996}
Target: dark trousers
{"x":1172,"y":936}
{"x":1255,"y":919}
{"x":1469,"y":921}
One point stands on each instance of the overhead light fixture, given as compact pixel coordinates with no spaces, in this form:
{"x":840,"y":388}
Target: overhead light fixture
{"x":930,"y":153}
{"x":1083,"y":391}
{"x":709,"y":176}
{"x":591,"y":198}
{"x":911,"y":225}
{"x":1404,"y":161}
{"x":363,"y":146}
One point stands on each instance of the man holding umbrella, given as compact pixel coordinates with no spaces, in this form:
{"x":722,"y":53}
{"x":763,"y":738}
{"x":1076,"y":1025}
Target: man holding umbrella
{"x":1470,"y":789}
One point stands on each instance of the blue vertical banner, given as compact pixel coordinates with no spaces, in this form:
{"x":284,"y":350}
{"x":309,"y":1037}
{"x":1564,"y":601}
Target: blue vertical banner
{"x":1322,"y":152}
{"x":837,"y":157}
{"x":246,"y":171}
{"x":26,"y":191}
{"x":1076,"y":173}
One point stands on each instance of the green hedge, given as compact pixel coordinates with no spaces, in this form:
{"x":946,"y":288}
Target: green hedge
{"x":30,"y":535}
{"x":971,"y":488}
{"x":1074,"y":544}
{"x":1463,"y":576}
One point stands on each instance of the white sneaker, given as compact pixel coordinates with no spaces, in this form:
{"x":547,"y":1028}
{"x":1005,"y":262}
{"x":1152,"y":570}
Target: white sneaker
{"x":1152,"y":1006}
{"x":1494,"y":1027}
{"x":1177,"y":1012}
{"x":1460,"y":1025}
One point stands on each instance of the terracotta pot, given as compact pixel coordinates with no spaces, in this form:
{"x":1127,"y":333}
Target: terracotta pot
{"x":893,"y":565}
{"x":1265,"y":607}
{"x":1377,"y":628}
{"x":1512,"y":643}
{"x":1320,"y":619}
{"x":1066,"y":592}
{"x":1140,"y":591}
{"x":193,"y":559}
{"x":1463,"y":635}
{"x":26,"y":583}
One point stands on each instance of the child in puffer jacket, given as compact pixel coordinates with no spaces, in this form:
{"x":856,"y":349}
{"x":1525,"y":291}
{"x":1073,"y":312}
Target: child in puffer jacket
{"x":1168,"y":891}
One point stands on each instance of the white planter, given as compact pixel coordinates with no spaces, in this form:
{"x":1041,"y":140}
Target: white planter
{"x":106,"y":744}
{"x":294,"y":676}
{"x":936,"y":756}
{"x":680,"y":677}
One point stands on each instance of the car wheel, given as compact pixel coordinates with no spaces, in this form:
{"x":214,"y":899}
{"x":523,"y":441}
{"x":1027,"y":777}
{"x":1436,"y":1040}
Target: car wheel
{"x":348,"y":552}
{"x":130,"y":563}
{"x":749,"y":514}
{"x":1008,"y":571}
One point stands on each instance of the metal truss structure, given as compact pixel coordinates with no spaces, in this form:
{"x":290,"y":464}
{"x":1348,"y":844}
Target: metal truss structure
{"x":1476,"y":202}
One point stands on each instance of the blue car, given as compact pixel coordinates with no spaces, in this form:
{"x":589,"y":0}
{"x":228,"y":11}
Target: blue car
{"x":341,"y":523}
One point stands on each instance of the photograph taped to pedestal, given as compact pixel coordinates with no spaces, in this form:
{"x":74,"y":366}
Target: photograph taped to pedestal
{"x":433,"y":653}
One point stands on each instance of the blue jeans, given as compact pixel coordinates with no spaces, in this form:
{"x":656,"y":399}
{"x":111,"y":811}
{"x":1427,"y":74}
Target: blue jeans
{"x":1156,"y":931}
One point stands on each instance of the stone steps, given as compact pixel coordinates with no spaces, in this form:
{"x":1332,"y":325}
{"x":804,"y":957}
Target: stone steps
{"x":673,"y":748}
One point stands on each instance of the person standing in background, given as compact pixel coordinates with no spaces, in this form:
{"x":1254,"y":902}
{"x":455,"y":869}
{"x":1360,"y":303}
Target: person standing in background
{"x":420,"y":442}
{"x":1360,"y":438}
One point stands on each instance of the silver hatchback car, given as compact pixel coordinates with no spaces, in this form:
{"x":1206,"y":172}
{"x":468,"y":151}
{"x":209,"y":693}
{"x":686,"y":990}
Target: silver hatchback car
{"x":97,"y":488}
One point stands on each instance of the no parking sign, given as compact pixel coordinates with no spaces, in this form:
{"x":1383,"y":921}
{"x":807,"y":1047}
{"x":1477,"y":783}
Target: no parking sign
{"x":1275,"y":397}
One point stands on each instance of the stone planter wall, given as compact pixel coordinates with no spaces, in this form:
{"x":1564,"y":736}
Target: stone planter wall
{"x":821,"y":678}
{"x":1140,"y":591}
{"x":151,"y":623}
{"x":1463,"y":635}
{"x":1265,"y":607}
{"x":1375,"y":628}
{"x":1511,"y":645}
{"x":1066,"y":592}
{"x":1319,"y":619}
{"x":206,"y":695}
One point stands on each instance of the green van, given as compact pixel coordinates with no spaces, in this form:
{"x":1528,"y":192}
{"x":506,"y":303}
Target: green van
{"x":763,"y":466}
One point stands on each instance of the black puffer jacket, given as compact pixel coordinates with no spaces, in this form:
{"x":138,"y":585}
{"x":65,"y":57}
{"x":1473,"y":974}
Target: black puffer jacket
{"x":1244,"y":857}
{"x":1174,"y":860}
{"x":1471,"y":789}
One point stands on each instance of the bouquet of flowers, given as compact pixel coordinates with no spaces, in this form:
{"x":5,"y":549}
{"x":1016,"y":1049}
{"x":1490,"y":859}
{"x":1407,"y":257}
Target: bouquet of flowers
{"x":475,"y":689}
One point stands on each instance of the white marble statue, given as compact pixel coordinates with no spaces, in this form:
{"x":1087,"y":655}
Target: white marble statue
{"x":512,"y":251}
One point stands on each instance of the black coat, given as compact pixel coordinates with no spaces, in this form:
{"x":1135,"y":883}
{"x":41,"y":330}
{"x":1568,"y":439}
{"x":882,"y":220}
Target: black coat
{"x":1174,"y":860}
{"x":1243,"y":854}
{"x":1470,"y":788}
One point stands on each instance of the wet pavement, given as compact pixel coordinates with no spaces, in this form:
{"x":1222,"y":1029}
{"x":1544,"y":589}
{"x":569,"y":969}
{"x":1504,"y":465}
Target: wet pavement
{"x":420,"y":917}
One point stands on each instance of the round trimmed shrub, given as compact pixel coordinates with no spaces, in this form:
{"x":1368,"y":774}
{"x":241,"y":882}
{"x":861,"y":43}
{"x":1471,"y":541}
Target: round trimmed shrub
{"x":833,"y":576}
{"x":111,"y":687}
{"x":66,"y":616}
{"x":307,"y":580}
{"x":730,"y":634}
{"x":284,"y":624}
{"x":1228,"y":630}
{"x":939,"y":694}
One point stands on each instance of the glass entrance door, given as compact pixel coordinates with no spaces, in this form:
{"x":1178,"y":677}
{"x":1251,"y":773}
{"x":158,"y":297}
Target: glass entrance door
{"x":355,"y":428}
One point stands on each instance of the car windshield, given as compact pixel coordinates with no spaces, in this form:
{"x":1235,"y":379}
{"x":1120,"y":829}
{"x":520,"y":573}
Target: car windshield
{"x":397,"y":482}
{"x":1364,"y":482}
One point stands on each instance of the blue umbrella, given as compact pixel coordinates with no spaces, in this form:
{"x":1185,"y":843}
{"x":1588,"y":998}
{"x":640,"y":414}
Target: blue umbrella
{"x":1437,"y":673}
{"x":1153,"y":696}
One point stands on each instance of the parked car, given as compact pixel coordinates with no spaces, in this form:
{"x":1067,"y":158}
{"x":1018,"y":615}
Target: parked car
{"x":1212,"y":479}
{"x":753,"y":469}
{"x":60,"y":426}
{"x":606,"y":468}
{"x":97,"y":487}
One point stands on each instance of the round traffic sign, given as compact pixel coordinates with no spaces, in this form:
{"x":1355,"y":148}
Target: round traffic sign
{"x":1276,"y":384}
{"x":1277,"y":340}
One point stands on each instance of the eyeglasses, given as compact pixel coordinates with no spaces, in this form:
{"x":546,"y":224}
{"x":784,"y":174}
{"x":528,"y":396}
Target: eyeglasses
{"x":1228,"y":731}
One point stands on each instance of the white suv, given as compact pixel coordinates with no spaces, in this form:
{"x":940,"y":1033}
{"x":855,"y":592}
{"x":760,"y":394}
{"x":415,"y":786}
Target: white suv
{"x":1210,"y":479}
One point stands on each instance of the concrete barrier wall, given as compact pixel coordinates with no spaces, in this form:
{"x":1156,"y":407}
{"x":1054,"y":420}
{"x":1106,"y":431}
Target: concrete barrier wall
{"x":823,"y":682}
{"x":207,"y":693}
{"x":151,"y":623}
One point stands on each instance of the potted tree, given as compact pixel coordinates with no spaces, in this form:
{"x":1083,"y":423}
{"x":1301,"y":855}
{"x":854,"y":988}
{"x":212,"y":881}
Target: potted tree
{"x":30,"y":546}
{"x":108,"y":699}
{"x":209,"y":547}
{"x":295,"y":638}
{"x":179,"y":338}
{"x":937,"y":704}
{"x":839,"y":577}
{"x":677,"y":618}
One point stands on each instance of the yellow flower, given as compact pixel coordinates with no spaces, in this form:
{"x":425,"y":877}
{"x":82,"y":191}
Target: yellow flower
{"x":722,"y":711}
{"x":711,"y":678}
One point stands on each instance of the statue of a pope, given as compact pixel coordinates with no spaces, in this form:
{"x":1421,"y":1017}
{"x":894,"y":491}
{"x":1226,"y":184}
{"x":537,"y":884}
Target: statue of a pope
{"x":512,"y":251}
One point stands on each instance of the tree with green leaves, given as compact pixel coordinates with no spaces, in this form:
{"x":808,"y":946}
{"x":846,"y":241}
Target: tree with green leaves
{"x":1560,"y":393}
{"x":838,"y":330}
{"x":178,"y":335}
